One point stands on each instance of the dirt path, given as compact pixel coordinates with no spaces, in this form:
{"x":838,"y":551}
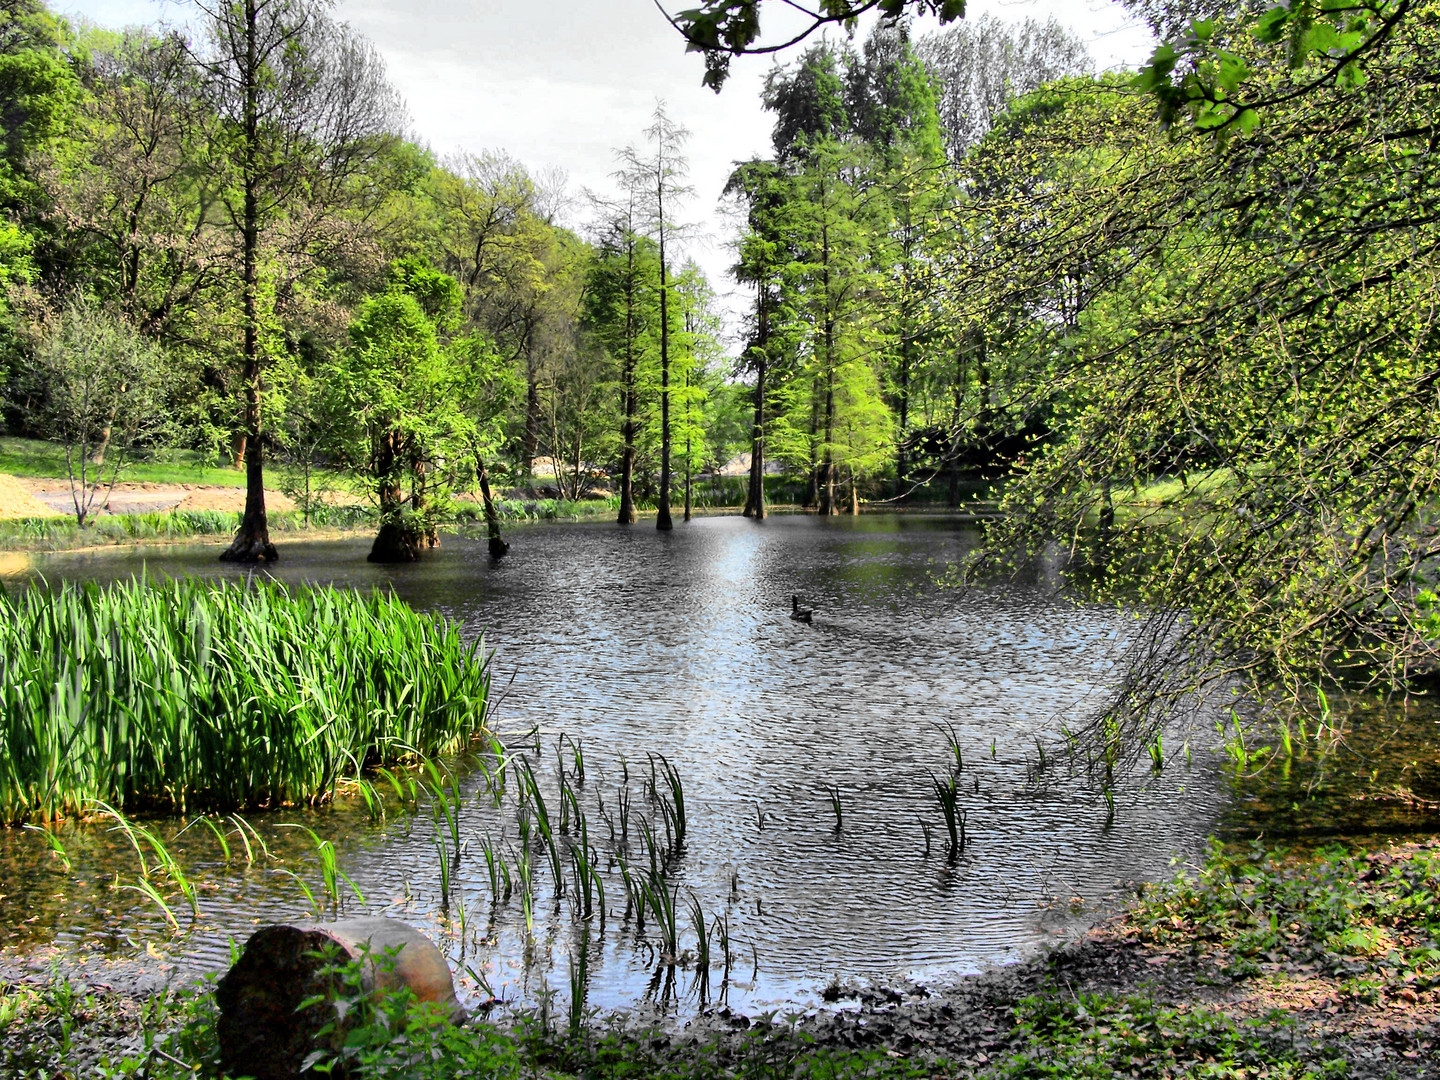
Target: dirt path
{"x":48,"y":496}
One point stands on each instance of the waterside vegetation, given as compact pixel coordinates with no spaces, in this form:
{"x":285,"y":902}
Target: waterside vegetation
{"x":183,"y":693}
{"x":1250,"y":965}
{"x":170,"y":526}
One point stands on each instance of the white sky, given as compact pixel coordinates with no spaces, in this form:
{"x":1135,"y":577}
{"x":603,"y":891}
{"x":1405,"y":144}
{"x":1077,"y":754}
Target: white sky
{"x":563,"y":83}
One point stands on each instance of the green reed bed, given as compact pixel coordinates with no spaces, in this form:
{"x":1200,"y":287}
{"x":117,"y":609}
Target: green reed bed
{"x":223,"y":695}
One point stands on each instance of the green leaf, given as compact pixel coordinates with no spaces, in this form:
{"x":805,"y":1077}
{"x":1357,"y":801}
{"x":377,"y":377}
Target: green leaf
{"x":1272,"y":25}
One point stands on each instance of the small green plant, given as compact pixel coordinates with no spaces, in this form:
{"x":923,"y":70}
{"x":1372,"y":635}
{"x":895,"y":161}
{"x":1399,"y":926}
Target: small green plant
{"x":163,"y":866}
{"x":952,"y":742}
{"x":331,"y":875}
{"x":947,"y":795}
{"x":832,"y":792}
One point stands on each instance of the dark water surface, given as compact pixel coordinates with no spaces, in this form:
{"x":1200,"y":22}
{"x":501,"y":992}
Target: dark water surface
{"x":631,"y":641}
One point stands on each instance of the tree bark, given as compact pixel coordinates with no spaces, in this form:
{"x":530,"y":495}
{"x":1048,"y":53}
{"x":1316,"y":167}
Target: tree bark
{"x":532,"y":418}
{"x":1107,"y":518}
{"x":662,"y":516}
{"x":755,"y":495}
{"x":902,"y":464}
{"x":812,"y":478}
{"x":907,"y":345}
{"x":427,"y":535}
{"x":396,"y":542}
{"x":827,"y":456}
{"x":498,"y":546}
{"x":627,"y":378}
{"x":252,"y":540}
{"x":688,"y":448}
{"x":957,"y":402}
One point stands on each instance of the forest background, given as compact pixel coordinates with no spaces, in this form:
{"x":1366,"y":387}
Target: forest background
{"x":1199,"y":355}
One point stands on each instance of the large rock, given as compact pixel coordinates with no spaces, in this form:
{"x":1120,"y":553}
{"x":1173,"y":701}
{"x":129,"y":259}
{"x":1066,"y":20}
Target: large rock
{"x":262,"y":1030}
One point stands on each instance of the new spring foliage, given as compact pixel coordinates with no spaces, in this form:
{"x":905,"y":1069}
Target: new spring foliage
{"x":223,"y":695}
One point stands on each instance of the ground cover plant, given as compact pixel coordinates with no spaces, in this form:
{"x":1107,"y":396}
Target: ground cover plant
{"x":184,"y":693}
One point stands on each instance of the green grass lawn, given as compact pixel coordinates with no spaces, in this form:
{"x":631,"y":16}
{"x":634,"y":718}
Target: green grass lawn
{"x":36,"y":458}
{"x":1165,"y":489}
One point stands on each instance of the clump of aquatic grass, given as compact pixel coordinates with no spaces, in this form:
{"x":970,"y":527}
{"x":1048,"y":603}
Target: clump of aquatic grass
{"x":65,"y":532}
{"x":330,"y":873}
{"x":832,"y":792}
{"x":702,"y":949}
{"x":947,"y":795}
{"x":1157,"y":752}
{"x":579,"y":981}
{"x":670,"y":801}
{"x":662,"y":901}
{"x":162,"y":865}
{"x":219,"y":694}
{"x":517,"y":509}
{"x":952,"y":742}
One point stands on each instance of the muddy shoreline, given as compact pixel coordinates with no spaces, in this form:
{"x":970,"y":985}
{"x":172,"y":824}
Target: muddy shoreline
{"x":969,"y":1025}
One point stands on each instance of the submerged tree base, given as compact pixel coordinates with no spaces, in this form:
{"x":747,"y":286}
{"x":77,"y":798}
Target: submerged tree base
{"x":395,"y":544}
{"x":251,"y":545}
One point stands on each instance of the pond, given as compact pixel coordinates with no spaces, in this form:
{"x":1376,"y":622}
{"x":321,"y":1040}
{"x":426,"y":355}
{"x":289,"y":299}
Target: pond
{"x":630,"y":642}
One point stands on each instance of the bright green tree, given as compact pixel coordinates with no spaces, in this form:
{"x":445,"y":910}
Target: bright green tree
{"x":401,"y":402}
{"x":1235,"y":341}
{"x":97,"y":387}
{"x":304,"y":106}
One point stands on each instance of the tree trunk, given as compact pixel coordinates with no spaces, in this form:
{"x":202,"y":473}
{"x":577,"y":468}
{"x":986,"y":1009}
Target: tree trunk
{"x":396,"y":542}
{"x":957,"y":402}
{"x":662,"y":516}
{"x":689,"y":450}
{"x":627,"y":378}
{"x":812,"y":479}
{"x":252,"y":540}
{"x":1107,"y":518}
{"x":902,"y":464}
{"x":688,"y":478}
{"x":532,"y":419}
{"x":907,"y":342}
{"x":984,"y":417}
{"x":827,"y":457}
{"x":427,"y":534}
{"x":498,"y":547}
{"x":755,"y":495}
{"x":854,"y":495}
